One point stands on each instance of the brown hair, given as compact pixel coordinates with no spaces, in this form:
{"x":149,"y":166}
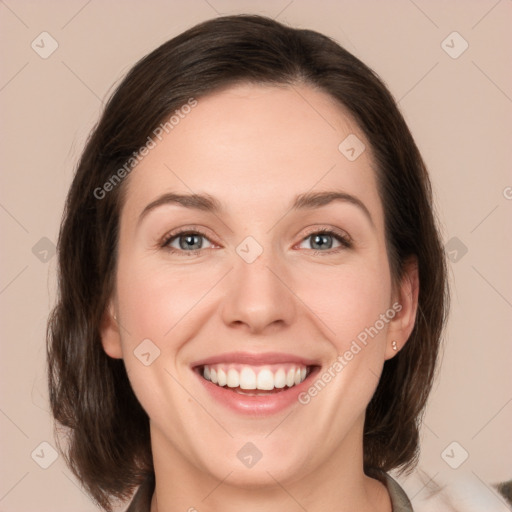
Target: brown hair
{"x":109,"y":445}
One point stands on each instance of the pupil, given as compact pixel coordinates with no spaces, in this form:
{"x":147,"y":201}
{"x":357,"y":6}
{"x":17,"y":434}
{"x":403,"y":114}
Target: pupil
{"x":322,"y":241}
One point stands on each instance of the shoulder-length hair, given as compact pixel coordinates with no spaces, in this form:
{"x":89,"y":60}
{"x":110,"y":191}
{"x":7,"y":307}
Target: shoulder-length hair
{"x":108,"y":444}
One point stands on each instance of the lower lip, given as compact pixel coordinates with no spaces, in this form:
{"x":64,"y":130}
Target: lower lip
{"x":262,"y":405}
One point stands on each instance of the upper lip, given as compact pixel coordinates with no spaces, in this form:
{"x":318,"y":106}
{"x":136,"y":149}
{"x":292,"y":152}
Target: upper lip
{"x":251,"y":358}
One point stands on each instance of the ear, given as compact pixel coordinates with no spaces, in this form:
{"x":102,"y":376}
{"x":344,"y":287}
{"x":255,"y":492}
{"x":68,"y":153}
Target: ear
{"x":109,"y":332}
{"x":405,"y":305}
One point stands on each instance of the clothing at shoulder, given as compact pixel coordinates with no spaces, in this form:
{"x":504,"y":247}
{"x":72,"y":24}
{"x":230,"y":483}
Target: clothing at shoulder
{"x":399,"y":500}
{"x":141,"y":501}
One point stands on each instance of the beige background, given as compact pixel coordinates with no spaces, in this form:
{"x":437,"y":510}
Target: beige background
{"x":459,"y":110}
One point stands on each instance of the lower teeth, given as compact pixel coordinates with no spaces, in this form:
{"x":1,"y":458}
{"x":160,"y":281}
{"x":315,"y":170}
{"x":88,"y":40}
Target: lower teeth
{"x":254,"y":392}
{"x":257,"y":393}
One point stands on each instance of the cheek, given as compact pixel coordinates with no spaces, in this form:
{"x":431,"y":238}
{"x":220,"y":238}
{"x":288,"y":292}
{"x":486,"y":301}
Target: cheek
{"x":155,"y":298}
{"x":355,"y":306}
{"x":347,"y":299}
{"x":156,"y":304}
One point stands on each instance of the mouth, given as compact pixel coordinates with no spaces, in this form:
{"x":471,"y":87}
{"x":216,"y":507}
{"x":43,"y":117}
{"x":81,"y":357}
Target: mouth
{"x":256,"y":385}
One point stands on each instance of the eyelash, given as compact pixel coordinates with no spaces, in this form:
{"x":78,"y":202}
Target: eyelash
{"x":175,"y":234}
{"x":344,"y":240}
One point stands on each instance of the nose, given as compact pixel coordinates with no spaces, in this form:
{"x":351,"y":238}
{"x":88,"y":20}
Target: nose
{"x":259,"y":297}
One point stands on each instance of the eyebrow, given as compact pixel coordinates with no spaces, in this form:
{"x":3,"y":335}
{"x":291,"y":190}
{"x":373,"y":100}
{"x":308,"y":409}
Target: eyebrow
{"x":203,"y":202}
{"x":207,"y":203}
{"x":318,"y":199}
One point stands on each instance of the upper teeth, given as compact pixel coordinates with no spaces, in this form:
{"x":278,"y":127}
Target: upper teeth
{"x":254,"y":377}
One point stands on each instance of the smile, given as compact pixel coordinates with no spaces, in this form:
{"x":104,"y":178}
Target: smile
{"x":262,"y":379}
{"x":255,"y":384}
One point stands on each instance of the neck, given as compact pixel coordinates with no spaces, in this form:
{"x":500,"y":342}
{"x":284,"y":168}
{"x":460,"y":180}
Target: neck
{"x":339,"y":484}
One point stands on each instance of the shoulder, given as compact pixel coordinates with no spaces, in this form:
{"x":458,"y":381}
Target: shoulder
{"x":399,"y":500}
{"x":141,"y":501}
{"x":451,"y":492}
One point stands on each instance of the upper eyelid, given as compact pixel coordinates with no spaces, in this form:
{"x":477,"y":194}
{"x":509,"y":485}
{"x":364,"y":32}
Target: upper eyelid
{"x":326,"y":229}
{"x":171,"y":236}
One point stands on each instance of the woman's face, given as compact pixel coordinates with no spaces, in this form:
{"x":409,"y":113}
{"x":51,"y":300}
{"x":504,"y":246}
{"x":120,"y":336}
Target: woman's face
{"x":262,"y":278}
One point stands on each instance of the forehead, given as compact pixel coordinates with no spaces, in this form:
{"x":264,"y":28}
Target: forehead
{"x":249,"y":144}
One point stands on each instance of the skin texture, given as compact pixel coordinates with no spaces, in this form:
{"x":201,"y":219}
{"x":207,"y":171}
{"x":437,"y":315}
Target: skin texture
{"x":255,"y":148}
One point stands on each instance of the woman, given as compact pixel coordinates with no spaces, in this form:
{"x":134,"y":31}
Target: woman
{"x":252,"y":284}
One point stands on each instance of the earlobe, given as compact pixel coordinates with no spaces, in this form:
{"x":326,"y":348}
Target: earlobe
{"x":110,"y":334}
{"x":402,"y":325}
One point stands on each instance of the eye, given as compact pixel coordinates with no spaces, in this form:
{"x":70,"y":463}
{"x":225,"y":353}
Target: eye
{"x":326,"y":240}
{"x":186,"y":241}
